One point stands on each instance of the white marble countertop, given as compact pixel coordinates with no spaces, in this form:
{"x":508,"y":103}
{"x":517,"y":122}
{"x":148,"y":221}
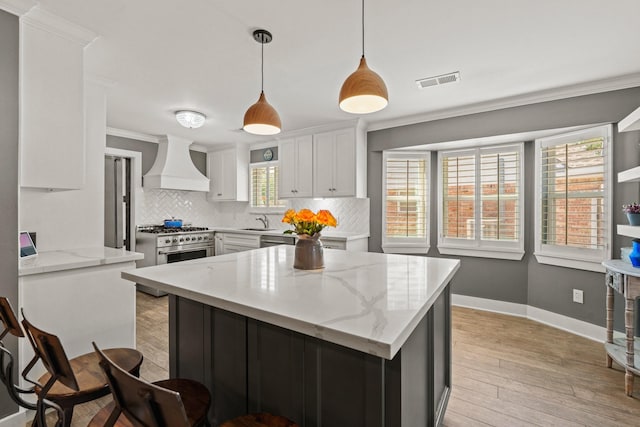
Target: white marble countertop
{"x":69,"y":259}
{"x":367,"y":301}
{"x":328,"y":233}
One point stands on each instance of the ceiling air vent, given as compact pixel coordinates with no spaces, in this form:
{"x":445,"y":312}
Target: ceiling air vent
{"x":438,"y":80}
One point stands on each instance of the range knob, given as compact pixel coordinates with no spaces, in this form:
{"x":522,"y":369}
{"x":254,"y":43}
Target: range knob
{"x":181,"y":239}
{"x":199,"y":237}
{"x":175,"y":240}
{"x":167,"y":240}
{"x":186,"y":239}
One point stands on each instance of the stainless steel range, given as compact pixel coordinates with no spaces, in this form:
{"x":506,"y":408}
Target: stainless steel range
{"x":163,"y":245}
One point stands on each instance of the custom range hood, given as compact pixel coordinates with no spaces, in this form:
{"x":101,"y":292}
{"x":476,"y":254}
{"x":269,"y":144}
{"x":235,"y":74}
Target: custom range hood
{"x":173,"y":168}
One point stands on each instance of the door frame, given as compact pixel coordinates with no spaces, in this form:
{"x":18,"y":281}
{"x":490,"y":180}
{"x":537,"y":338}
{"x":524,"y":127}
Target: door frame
{"x":136,"y":184}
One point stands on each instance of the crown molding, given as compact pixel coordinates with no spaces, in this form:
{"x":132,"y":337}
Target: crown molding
{"x":17,"y":7}
{"x":46,"y":21}
{"x":351,"y":123}
{"x":198,"y":147}
{"x":122,"y":133}
{"x":598,"y":86}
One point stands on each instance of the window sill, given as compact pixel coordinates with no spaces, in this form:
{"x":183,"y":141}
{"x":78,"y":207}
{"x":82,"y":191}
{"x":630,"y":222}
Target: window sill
{"x":570,"y":263}
{"x":405,"y":249}
{"x":513,"y":255}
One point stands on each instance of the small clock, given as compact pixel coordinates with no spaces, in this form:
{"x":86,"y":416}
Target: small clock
{"x":267,"y":155}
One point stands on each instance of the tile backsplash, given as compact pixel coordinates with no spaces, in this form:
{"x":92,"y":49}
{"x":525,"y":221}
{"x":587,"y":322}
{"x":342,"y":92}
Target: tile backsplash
{"x":154,"y":206}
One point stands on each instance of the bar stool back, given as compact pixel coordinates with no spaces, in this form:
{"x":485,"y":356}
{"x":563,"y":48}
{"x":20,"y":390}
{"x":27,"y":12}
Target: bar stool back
{"x":68,"y":382}
{"x":174,"y":402}
{"x":11,"y":326}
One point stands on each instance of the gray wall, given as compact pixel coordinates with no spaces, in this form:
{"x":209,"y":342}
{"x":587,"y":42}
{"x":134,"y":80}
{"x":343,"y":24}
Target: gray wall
{"x":9,"y":178}
{"x":526,"y":281}
{"x":149,"y":151}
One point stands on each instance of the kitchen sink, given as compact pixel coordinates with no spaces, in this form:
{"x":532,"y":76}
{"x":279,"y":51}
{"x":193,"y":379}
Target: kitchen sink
{"x":258,"y":229}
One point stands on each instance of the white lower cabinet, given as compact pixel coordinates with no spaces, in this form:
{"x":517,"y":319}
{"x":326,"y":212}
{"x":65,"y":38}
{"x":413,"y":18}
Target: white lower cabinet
{"x":227,"y":243}
{"x":356,"y":245}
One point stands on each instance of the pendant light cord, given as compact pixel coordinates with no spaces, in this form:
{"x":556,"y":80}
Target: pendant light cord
{"x":363,"y":28}
{"x":262,"y":66}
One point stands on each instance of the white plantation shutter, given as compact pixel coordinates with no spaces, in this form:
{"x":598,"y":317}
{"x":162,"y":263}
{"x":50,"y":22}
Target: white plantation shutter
{"x":405,"y":206}
{"x":500,"y":177}
{"x":264,"y":186}
{"x":573,"y":192}
{"x":459,"y":189}
{"x":480,"y":200}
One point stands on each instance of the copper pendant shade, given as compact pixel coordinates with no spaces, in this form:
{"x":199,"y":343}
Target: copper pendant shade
{"x":261,"y":118}
{"x":364,"y":90}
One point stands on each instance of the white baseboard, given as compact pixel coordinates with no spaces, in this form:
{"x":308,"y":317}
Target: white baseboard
{"x":559,"y":321}
{"x":15,"y":420}
{"x":492,"y":305}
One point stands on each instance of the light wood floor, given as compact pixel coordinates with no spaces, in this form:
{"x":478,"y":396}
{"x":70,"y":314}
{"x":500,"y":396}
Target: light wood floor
{"x":507,"y":371}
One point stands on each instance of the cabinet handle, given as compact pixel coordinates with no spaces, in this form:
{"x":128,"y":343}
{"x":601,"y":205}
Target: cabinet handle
{"x":219,"y":194}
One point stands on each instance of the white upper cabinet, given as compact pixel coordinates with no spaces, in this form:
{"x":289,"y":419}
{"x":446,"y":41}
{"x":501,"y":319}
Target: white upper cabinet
{"x":228,"y":172}
{"x":295,"y":159}
{"x":334,"y":164}
{"x":52,"y":116}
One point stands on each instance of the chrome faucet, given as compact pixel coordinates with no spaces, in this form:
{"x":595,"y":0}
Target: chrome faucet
{"x":264,"y":220}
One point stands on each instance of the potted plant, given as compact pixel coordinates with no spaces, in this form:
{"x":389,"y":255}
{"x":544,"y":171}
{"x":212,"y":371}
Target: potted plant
{"x":308,"y":225}
{"x":633,"y":213}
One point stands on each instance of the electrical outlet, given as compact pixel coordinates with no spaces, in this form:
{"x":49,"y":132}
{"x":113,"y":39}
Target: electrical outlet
{"x":578,"y":296}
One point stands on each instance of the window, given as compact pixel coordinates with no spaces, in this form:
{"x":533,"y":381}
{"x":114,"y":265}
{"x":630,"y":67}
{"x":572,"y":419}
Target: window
{"x":264,"y":187}
{"x":480,"y":198}
{"x":573,"y":198}
{"x":405,"y":223}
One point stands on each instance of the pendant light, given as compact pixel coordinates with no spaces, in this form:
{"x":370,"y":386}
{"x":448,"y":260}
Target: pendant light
{"x":364,"y":90}
{"x":261,"y":118}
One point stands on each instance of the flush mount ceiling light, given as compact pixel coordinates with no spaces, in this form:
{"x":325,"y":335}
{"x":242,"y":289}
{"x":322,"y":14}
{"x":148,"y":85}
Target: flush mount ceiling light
{"x":261,"y":118}
{"x":364,"y":91}
{"x":190,"y":119}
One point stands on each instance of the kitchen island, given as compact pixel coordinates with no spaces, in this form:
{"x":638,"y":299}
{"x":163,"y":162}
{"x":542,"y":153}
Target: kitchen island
{"x":364,"y":342}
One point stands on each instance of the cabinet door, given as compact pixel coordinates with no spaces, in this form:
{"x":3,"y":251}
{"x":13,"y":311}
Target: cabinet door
{"x":52,"y":140}
{"x":304,"y":162}
{"x":344,"y":164}
{"x":288,"y":164}
{"x":228,"y":178}
{"x":215,"y":172}
{"x":323,"y":160}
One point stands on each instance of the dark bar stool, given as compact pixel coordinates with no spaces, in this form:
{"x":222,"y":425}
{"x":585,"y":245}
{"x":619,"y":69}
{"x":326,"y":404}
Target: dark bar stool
{"x":11,"y":326}
{"x":175,"y":402}
{"x":69,"y":382}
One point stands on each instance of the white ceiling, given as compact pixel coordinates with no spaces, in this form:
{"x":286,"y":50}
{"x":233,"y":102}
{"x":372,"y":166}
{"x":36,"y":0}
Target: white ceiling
{"x":199,"y":54}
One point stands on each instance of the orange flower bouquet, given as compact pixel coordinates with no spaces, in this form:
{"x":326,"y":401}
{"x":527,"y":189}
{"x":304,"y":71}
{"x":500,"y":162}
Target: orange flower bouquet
{"x":306,"y":222}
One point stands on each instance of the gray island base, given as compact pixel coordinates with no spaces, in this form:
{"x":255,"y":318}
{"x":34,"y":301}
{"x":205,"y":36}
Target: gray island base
{"x":364,"y":342}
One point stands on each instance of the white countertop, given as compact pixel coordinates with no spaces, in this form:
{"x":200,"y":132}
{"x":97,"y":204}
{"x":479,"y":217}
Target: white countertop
{"x":330,"y":234}
{"x":69,"y":259}
{"x":367,"y":301}
{"x":623,"y":267}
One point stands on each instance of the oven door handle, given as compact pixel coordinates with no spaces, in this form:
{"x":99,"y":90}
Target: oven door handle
{"x":189,"y":249}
